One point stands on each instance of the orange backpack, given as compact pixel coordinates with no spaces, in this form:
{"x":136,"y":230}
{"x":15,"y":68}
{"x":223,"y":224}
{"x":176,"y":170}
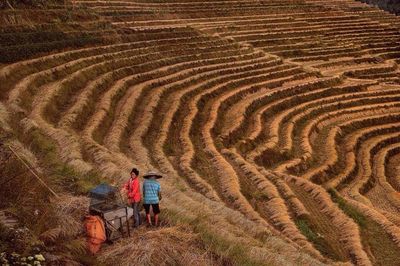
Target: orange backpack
{"x":96,"y":233}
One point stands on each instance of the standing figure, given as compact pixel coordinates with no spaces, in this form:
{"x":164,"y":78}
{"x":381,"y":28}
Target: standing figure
{"x":152,"y":196}
{"x":133,"y":190}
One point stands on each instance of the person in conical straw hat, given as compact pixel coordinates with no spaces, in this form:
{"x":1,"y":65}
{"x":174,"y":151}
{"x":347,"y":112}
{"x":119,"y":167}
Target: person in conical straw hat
{"x":152,"y":196}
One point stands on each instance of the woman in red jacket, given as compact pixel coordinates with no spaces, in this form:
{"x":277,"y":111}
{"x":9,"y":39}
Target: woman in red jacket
{"x":133,"y":190}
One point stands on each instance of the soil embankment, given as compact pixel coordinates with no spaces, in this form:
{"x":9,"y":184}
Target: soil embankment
{"x":393,"y":6}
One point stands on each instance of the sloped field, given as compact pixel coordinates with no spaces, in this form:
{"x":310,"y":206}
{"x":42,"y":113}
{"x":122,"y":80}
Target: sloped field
{"x":269,"y":118}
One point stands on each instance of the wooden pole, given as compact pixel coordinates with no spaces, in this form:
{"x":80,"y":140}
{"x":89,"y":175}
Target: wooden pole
{"x":30,"y":169}
{"x":9,"y":5}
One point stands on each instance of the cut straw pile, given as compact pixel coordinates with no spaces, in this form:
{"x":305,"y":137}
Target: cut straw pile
{"x":162,"y":246}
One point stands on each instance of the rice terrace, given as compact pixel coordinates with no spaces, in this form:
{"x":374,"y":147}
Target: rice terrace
{"x":274,"y":123}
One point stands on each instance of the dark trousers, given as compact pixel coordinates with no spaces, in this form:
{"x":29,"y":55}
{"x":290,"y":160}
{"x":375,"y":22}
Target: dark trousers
{"x":136,"y":214}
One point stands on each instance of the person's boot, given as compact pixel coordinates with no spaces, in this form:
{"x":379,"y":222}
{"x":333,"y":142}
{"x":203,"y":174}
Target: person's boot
{"x":156,"y":219}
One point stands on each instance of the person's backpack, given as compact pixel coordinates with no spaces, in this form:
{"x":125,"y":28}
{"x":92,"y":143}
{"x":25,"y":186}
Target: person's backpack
{"x":96,"y":233}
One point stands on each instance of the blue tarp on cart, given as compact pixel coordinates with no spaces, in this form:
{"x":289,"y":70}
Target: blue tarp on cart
{"x":103,"y":191}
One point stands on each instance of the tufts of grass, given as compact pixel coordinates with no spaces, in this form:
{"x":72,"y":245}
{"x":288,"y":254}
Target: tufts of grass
{"x":314,"y":237}
{"x":58,"y":174}
{"x":305,"y":228}
{"x":348,"y":209}
{"x":234,"y":251}
{"x":100,"y":132}
{"x":74,"y":182}
{"x":34,"y":208}
{"x":378,"y":244}
{"x":227,"y":251}
{"x":271,"y":157}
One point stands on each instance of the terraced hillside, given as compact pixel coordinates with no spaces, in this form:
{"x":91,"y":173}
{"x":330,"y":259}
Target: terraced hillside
{"x":276,"y":122}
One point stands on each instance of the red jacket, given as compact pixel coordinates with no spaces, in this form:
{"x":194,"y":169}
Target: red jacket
{"x":133,"y":189}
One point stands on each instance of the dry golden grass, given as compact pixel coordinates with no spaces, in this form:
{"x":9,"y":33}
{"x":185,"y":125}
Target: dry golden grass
{"x":334,"y":123}
{"x":347,"y":229}
{"x":69,"y":212}
{"x":256,"y":78}
{"x":174,"y":245}
{"x":390,"y":228}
